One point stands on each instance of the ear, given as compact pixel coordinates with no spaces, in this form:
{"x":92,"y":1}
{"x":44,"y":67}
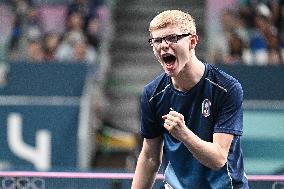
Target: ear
{"x":193,"y":41}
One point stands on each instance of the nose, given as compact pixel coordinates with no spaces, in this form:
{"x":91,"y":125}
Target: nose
{"x":164,"y":44}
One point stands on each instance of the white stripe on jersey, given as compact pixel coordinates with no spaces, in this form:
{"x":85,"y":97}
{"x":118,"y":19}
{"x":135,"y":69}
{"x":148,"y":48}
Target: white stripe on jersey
{"x":159,"y":92}
{"x":216,"y":84}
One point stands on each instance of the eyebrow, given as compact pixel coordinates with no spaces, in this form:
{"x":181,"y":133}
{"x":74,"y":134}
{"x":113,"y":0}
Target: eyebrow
{"x":165,"y":36}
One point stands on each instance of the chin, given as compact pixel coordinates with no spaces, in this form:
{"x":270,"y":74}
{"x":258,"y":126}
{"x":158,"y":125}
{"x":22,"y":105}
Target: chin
{"x":171,"y":74}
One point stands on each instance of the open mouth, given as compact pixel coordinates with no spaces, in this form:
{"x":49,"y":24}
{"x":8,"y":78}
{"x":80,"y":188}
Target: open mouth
{"x":169,"y":58}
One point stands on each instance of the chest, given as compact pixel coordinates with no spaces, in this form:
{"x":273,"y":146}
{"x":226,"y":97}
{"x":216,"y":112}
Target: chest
{"x":199,"y":109}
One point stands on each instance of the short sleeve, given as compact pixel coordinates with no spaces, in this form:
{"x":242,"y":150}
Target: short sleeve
{"x":230,"y":115}
{"x":149,"y":124}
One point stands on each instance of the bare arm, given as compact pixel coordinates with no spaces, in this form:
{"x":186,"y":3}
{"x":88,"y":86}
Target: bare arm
{"x":211,"y":154}
{"x":148,"y":163}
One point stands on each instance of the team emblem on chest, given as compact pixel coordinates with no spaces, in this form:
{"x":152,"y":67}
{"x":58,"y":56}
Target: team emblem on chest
{"x":206,"y":108}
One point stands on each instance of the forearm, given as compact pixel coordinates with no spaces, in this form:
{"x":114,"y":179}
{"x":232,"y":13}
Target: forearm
{"x":148,"y":163}
{"x":209,"y":154}
{"x":145,"y":173}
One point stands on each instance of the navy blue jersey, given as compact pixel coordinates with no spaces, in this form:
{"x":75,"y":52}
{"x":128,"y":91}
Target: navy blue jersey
{"x":213,"y":105}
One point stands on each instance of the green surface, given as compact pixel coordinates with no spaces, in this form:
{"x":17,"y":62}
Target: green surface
{"x":263,"y":141}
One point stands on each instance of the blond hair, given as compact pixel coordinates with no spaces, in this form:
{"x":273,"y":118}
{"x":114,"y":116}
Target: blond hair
{"x":184,"y":21}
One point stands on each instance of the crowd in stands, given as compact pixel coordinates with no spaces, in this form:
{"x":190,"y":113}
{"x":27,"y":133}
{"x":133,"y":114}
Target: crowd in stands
{"x":251,"y":34}
{"x":46,"y":32}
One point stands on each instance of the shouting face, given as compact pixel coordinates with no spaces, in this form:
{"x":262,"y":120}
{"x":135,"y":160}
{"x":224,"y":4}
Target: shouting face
{"x":172,"y":49}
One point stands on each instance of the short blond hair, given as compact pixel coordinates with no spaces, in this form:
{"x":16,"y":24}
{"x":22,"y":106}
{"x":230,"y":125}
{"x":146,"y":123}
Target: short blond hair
{"x":184,"y":21}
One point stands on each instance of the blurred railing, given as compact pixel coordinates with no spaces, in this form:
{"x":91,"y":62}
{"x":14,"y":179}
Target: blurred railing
{"x":105,"y":180}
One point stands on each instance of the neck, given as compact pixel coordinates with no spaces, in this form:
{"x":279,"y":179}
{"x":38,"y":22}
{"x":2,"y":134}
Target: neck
{"x":189,"y":76}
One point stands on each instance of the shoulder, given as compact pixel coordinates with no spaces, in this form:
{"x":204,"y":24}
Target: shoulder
{"x":221,"y":79}
{"x":156,"y":85}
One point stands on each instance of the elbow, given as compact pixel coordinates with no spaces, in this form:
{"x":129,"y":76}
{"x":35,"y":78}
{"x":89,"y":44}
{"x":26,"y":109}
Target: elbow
{"x":220,"y":160}
{"x":218,"y":164}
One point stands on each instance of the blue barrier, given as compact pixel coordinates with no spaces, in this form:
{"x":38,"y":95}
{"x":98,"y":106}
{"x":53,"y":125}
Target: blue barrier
{"x":45,"y":79}
{"x":259,"y":82}
{"x":40,"y":108}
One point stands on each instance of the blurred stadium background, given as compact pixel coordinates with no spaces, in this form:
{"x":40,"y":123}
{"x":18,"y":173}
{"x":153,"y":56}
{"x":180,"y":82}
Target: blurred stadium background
{"x":72,"y":71}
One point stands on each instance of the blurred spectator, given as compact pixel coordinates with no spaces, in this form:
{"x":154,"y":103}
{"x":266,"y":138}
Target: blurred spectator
{"x":75,"y":22}
{"x":73,"y":33}
{"x":16,"y":34}
{"x":264,"y":41}
{"x":274,"y":50}
{"x":235,"y":40}
{"x":278,"y":12}
{"x":51,"y":43}
{"x":35,"y":52}
{"x":236,"y":47}
{"x":75,"y":48}
{"x":87,"y":10}
{"x":83,"y":21}
{"x":75,"y":45}
{"x":65,"y":48}
{"x":216,"y":39}
{"x":92,"y":31}
{"x":251,"y":35}
{"x":26,"y":26}
{"x":82,"y":30}
{"x":34,"y":30}
{"x":258,"y":41}
{"x":82,"y":52}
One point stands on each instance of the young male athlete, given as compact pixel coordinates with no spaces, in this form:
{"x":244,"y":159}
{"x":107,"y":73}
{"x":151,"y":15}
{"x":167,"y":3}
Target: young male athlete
{"x":192,"y":113}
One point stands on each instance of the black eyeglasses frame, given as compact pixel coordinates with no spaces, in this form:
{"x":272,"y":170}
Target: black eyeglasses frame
{"x":173,"y":36}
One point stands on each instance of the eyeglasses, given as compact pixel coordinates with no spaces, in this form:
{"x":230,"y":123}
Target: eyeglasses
{"x":168,"y":39}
